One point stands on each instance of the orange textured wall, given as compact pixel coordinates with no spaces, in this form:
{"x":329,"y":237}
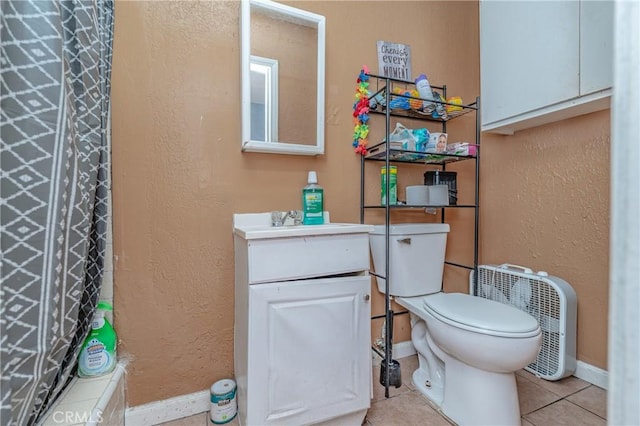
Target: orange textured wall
{"x":545,"y":205}
{"x":179,"y":175}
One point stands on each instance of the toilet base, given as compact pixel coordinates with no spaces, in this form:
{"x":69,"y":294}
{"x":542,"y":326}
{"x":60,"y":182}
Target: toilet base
{"x":435,"y":394}
{"x":479,"y":397}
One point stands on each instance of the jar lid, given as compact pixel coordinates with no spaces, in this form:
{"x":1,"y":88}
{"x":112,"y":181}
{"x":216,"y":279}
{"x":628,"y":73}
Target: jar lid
{"x":223,"y":386}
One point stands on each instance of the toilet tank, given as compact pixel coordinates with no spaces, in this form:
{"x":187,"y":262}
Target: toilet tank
{"x":416,"y":257}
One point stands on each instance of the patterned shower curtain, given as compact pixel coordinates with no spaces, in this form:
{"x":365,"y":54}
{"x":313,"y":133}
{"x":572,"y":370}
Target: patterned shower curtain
{"x":55,"y":84}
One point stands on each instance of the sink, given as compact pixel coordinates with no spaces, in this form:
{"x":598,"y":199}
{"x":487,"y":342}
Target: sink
{"x":302,"y":251}
{"x":258,"y":226}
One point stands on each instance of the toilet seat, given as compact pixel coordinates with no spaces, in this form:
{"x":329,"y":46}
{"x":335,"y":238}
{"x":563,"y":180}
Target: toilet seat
{"x":481,"y":315}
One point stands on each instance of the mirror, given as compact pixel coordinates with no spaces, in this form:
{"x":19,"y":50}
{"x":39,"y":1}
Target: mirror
{"x":282,"y":70}
{"x":264,"y":99}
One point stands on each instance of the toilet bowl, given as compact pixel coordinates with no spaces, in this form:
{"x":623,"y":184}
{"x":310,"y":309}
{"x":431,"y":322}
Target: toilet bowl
{"x":468,"y":347}
{"x":468,"y":353}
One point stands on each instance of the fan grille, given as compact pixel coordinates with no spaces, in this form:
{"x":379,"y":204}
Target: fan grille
{"x":538,"y":299}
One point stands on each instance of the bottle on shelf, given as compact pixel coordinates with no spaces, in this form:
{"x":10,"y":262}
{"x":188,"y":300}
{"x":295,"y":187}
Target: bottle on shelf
{"x":424,"y":88}
{"x":393,"y":194}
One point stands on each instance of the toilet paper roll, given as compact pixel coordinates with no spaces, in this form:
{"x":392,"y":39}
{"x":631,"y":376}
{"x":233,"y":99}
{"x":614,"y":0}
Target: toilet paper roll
{"x":417,"y":195}
{"x":438,"y":195}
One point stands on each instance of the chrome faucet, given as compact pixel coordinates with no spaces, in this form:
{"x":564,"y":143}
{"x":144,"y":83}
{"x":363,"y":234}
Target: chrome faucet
{"x":280,"y":218}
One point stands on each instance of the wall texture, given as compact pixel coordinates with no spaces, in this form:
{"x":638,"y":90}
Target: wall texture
{"x":179,"y":175}
{"x":545,"y":205}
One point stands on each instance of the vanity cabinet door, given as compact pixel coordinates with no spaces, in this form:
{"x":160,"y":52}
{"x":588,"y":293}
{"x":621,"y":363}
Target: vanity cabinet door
{"x":309,"y":350}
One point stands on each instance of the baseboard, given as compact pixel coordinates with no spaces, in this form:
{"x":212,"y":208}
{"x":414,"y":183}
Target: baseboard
{"x":594,"y":375}
{"x":400,"y":350}
{"x":403,"y":349}
{"x":168,"y":409}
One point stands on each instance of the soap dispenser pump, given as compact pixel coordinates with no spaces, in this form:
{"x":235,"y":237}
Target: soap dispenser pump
{"x":312,"y":201}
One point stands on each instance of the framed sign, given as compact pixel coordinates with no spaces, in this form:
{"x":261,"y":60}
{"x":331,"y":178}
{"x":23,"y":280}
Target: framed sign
{"x":394,"y":60}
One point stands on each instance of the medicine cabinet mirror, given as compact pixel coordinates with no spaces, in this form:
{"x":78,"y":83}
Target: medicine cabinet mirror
{"x":282,"y":70}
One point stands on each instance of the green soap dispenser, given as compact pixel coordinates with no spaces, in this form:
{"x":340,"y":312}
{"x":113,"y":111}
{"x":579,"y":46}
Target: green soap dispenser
{"x":312,"y":201}
{"x":98,"y":353}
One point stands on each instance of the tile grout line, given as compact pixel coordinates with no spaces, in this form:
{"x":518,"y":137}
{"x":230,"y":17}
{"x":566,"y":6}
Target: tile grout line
{"x":558,"y":400}
{"x":586,"y":409}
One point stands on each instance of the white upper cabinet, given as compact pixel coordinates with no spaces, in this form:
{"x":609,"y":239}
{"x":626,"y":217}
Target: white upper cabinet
{"x":543,"y":61}
{"x":596,"y":41}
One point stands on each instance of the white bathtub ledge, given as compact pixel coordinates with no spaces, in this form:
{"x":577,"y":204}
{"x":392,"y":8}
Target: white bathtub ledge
{"x":91,"y":401}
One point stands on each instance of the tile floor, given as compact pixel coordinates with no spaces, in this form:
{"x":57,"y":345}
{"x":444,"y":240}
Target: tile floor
{"x":570,"y":401}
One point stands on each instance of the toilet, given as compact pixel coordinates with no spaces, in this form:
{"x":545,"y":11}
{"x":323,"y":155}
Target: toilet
{"x":468,"y":347}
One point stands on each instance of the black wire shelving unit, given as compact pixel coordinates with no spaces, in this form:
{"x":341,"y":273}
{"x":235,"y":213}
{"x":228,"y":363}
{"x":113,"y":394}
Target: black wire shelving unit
{"x":383,"y":152}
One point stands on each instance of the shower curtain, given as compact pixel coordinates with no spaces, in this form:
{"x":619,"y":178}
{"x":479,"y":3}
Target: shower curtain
{"x":55,"y":84}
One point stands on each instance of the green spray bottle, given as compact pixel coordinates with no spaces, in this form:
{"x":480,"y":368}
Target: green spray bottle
{"x":98,"y":353}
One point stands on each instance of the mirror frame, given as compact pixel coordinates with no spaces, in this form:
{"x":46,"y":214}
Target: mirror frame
{"x":297,"y":16}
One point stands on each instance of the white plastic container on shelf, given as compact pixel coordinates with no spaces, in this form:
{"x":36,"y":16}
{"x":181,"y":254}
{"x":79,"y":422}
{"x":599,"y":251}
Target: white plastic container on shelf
{"x":424,"y":88}
{"x":417,"y":195}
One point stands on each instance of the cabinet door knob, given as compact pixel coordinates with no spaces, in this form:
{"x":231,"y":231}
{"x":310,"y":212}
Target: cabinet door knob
{"x":366,"y":297}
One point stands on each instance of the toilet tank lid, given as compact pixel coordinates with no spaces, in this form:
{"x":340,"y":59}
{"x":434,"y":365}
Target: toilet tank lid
{"x":412,"y":229}
{"x":473,"y":311}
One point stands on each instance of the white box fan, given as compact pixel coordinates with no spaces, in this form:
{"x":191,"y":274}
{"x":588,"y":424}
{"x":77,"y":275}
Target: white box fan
{"x":551,"y":300}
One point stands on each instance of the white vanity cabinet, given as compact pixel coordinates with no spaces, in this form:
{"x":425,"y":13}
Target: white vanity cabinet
{"x":542,"y":62}
{"x":302,"y":324}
